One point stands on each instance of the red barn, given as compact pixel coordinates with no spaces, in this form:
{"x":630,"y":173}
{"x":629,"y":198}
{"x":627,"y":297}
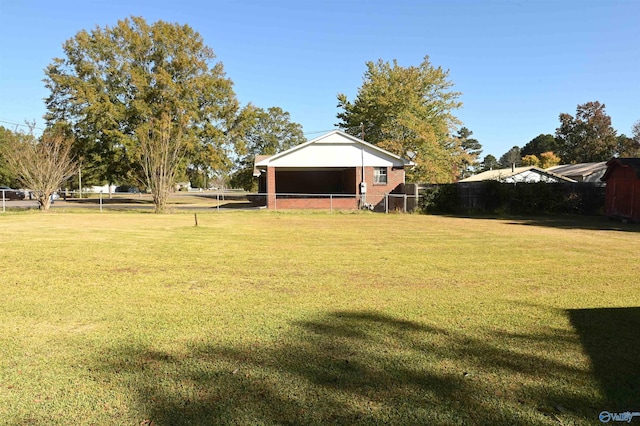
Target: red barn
{"x":623,"y":188}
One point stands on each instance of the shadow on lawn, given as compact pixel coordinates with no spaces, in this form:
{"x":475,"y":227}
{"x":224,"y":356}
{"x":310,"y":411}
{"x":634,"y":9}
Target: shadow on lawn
{"x":595,"y":223}
{"x":611,"y":338}
{"x":358,"y":368}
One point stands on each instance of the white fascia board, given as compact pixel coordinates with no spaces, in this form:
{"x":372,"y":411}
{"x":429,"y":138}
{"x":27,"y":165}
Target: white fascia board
{"x":335,"y":149}
{"x":335,"y":155}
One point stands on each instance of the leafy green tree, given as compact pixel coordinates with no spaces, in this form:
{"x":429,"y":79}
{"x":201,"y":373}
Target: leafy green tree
{"x":511,"y":157}
{"x":117,"y":81}
{"x":629,"y":146}
{"x":539,"y":144}
{"x":40,"y":164}
{"x":489,"y":162}
{"x":267,"y":133}
{"x":587,"y":137}
{"x":404,"y":109}
{"x":472,"y":148}
{"x":7,"y":178}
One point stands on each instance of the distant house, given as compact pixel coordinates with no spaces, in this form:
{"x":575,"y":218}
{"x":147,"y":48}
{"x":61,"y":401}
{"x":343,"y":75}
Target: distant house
{"x":528,"y":174}
{"x":182,"y":186}
{"x":106,"y":189}
{"x":583,"y":172}
{"x":623,"y":188}
{"x":335,"y":170}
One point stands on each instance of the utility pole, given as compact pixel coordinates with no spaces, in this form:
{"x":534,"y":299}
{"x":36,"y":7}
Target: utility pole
{"x":362,"y":150}
{"x":363,"y":184}
{"x":80,"y":180}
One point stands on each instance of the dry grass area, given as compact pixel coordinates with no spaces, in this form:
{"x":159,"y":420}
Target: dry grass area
{"x":120,"y":201}
{"x":315,"y":318}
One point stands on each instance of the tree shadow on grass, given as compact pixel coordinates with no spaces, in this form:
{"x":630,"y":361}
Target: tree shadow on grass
{"x":595,"y":223}
{"x":357,"y":368}
{"x":611,"y":338}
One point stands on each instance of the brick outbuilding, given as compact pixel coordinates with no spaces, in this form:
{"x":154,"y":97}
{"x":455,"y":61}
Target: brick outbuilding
{"x":336,"y":171}
{"x":623,"y":188}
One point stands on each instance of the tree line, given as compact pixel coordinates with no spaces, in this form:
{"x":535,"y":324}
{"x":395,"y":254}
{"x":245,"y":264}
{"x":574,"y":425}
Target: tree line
{"x":587,"y":137}
{"x":147,"y":105}
{"x":143,"y":105}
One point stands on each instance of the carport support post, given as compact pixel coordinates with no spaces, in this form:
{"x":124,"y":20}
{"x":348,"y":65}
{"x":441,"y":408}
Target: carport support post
{"x":386,"y":203}
{"x":271,"y":188}
{"x":100,"y":201}
{"x":405,"y":203}
{"x":3,"y":202}
{"x":330,"y":203}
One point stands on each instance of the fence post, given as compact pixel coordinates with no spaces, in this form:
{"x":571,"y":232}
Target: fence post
{"x":3,"y":202}
{"x":405,"y":203}
{"x":218,"y":202}
{"x":101,"y":201}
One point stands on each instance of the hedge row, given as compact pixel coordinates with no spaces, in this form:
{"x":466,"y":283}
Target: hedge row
{"x":522,"y":198}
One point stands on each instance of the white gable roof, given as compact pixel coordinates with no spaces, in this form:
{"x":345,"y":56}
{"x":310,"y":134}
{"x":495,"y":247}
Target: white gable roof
{"x":334,"y":149}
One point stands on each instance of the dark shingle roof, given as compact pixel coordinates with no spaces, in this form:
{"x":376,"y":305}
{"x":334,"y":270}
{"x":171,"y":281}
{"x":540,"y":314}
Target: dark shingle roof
{"x":258,"y":159}
{"x":622,"y":162}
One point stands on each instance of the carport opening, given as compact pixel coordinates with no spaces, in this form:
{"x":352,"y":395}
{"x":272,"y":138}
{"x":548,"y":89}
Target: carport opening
{"x":315,"y":181}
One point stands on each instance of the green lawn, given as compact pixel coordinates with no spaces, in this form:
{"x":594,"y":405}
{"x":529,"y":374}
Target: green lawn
{"x":316,"y":318}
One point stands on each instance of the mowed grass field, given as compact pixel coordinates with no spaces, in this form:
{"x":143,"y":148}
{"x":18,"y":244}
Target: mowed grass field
{"x":316,"y":318}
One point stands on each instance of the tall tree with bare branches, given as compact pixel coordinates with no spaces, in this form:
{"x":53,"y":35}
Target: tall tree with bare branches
{"x":40,"y":164}
{"x":163,"y":145}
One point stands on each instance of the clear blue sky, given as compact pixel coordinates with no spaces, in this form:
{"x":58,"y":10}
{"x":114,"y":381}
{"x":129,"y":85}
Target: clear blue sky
{"x":519,"y":64}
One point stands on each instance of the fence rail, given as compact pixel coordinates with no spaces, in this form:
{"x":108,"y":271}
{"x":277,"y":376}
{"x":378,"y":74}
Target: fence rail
{"x":381,"y":202}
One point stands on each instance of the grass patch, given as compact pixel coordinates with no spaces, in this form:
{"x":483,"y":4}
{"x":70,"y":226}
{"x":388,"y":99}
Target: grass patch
{"x":272,"y":318}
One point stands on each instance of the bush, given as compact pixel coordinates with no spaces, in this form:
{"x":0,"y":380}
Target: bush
{"x":536,"y":198}
{"x":520,"y":199}
{"x":440,"y":199}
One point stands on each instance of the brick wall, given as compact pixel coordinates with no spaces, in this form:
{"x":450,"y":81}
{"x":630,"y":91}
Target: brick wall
{"x":325,"y":203}
{"x":271,"y":187}
{"x":375,"y":192}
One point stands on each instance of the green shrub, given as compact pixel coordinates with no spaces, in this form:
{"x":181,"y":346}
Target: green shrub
{"x":440,"y":199}
{"x":518,"y":199}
